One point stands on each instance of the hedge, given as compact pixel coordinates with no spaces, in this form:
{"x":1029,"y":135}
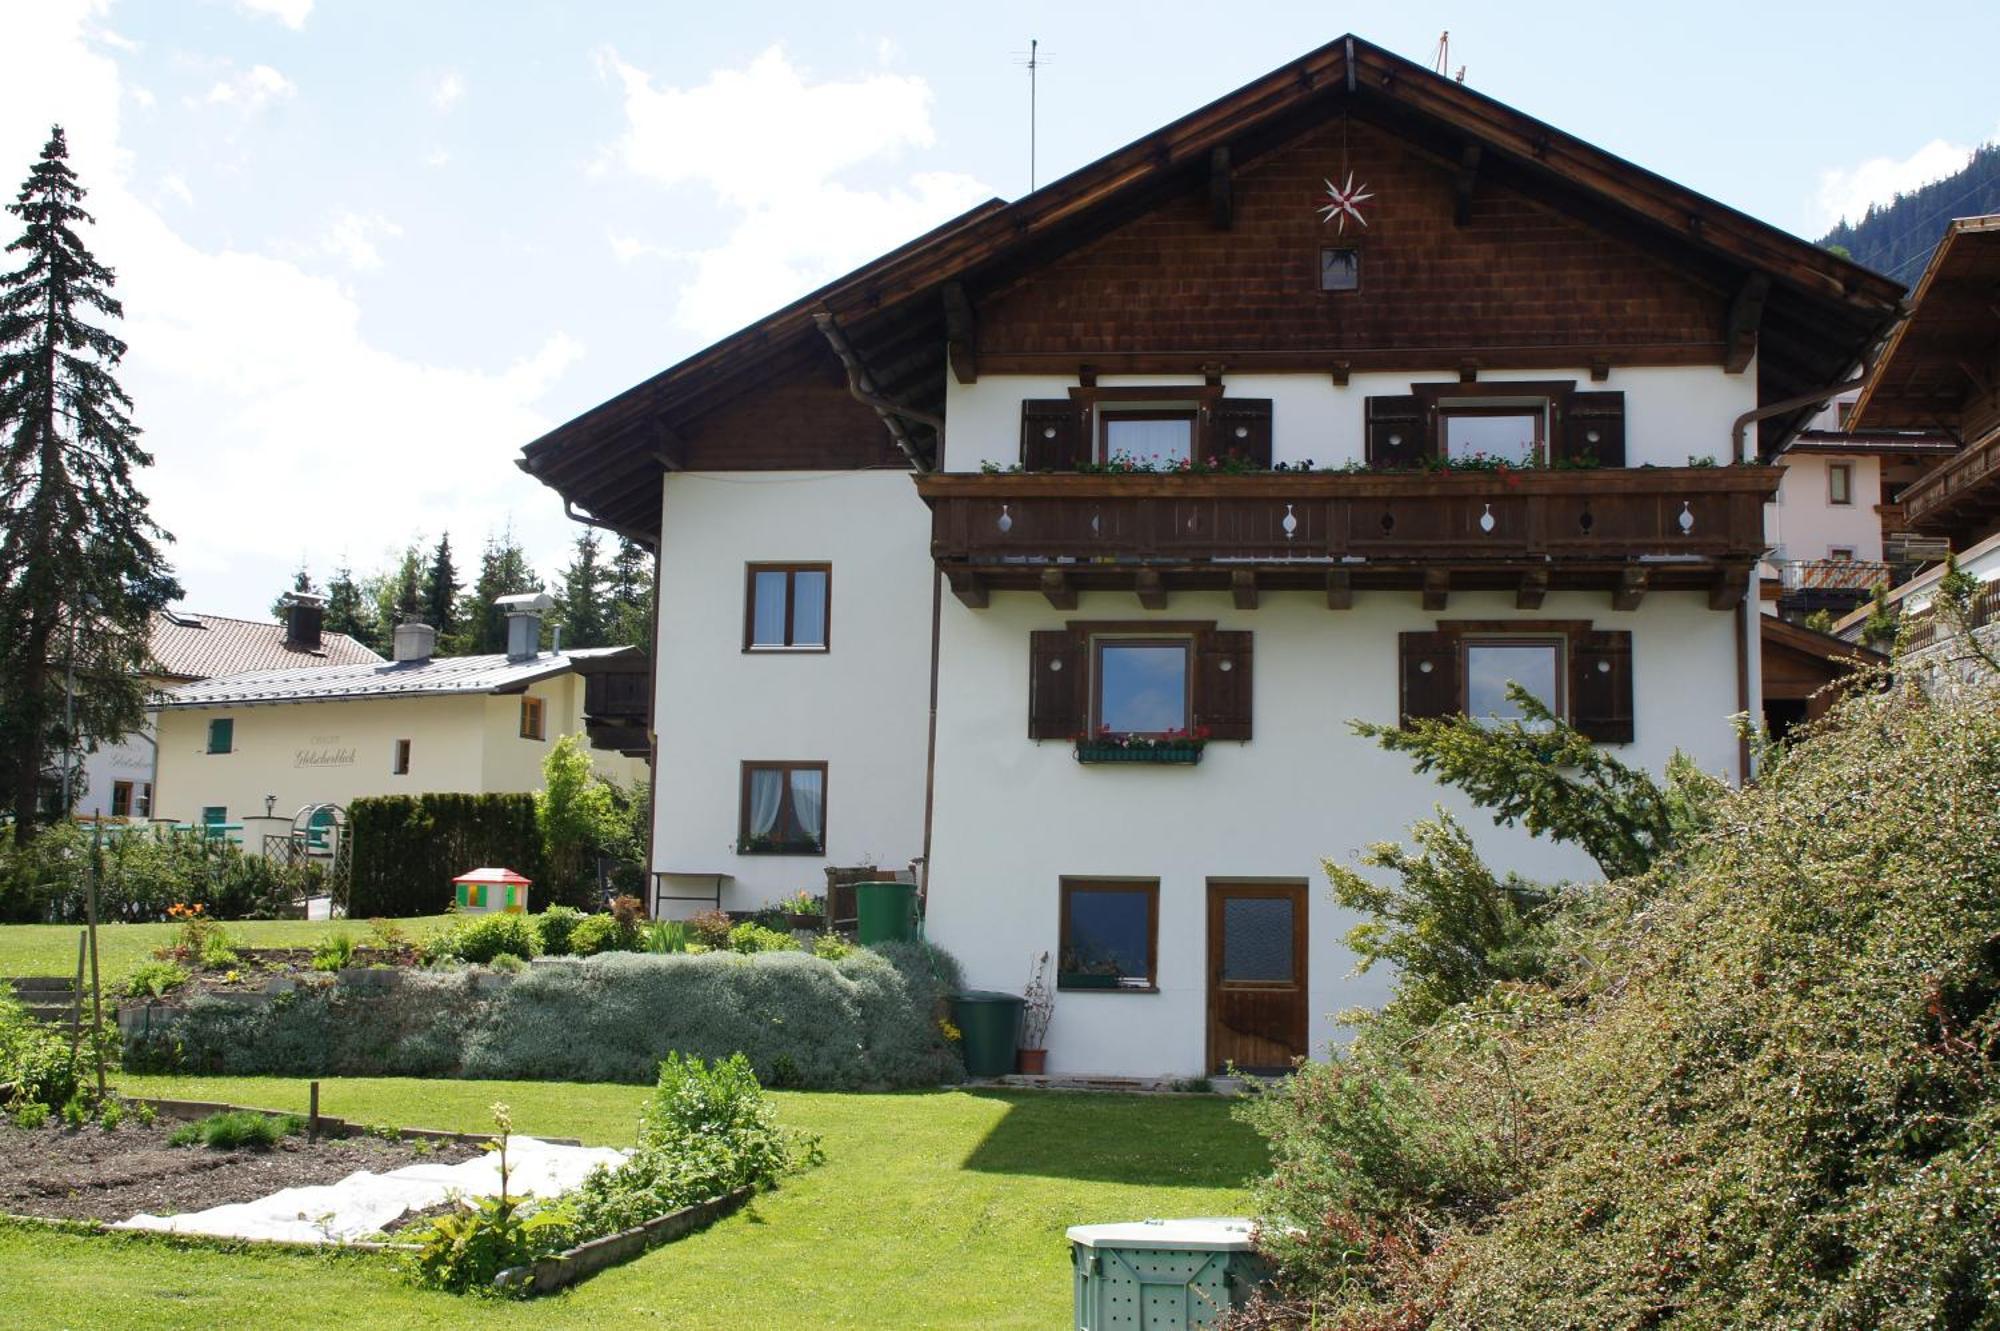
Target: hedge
{"x":406,"y":849}
{"x":867,"y":1022}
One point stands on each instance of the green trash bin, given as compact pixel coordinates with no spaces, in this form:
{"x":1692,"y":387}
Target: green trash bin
{"x":886,"y":912}
{"x":990,"y":1024}
{"x":1163,"y":1275}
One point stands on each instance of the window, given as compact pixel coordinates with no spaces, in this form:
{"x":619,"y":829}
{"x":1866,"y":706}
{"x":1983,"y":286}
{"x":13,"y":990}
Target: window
{"x":1155,"y":437}
{"x":1491,"y":664}
{"x":1840,"y":483}
{"x":401,"y":765}
{"x":1339,"y":270}
{"x":1512,"y":431}
{"x":144,"y":807}
{"x":1110,"y":935}
{"x":783,"y":809}
{"x":1842,"y":552}
{"x":214,"y":815}
{"x":1141,"y":686}
{"x":533,"y":725}
{"x":121,"y":799}
{"x":221,"y":734}
{"x":787,"y":607}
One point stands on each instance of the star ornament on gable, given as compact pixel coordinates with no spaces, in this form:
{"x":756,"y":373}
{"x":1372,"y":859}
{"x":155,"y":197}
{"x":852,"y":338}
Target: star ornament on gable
{"x":1344,"y":201}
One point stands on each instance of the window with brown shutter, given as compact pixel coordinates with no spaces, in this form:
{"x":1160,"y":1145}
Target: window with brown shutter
{"x":1429,"y":676}
{"x":1139,"y":678}
{"x":1055,"y":434}
{"x":1601,"y":686}
{"x":1580,"y":673}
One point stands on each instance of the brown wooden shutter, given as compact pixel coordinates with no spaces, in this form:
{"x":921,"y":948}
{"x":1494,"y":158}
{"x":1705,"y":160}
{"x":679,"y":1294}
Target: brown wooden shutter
{"x":1222,"y":688}
{"x":1429,"y":671}
{"x":1397,"y":436}
{"x":1056,"y":685}
{"x":1243,"y":425}
{"x":1599,"y":414}
{"x":1054,"y":436}
{"x":1600,"y":686}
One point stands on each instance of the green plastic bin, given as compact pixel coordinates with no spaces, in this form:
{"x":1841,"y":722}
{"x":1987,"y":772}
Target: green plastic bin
{"x":886,"y":912}
{"x":1162,"y":1275}
{"x":990,"y":1023}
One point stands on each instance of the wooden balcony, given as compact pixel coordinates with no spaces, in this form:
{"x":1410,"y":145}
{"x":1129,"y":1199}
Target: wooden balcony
{"x":1622,"y":531}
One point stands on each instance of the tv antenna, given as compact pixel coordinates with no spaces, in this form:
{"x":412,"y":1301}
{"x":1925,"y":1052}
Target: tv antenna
{"x":1441,"y":61}
{"x":1033,"y":62}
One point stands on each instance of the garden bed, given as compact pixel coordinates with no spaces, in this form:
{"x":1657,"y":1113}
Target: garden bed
{"x":91,"y":1174}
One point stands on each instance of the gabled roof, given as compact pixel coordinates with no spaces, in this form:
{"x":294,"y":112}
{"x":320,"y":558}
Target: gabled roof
{"x":439,"y":676}
{"x":190,"y":646}
{"x":1921,"y":381}
{"x":1821,"y":315}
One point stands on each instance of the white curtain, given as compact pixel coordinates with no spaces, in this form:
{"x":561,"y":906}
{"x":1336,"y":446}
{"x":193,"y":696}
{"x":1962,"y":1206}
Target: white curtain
{"x":807,"y":803}
{"x":766,"y":788}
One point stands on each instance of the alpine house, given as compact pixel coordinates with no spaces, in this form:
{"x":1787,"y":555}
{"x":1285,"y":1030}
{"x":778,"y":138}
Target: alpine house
{"x":1057,"y":548}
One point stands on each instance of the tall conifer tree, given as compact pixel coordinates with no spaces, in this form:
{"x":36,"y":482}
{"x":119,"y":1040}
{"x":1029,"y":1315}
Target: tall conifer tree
{"x":348,"y":609}
{"x":81,"y":566}
{"x":503,"y":571}
{"x":631,"y":596}
{"x":585,"y":616}
{"x":441,"y":591}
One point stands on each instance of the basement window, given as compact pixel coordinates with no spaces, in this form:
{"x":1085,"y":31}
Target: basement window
{"x":783,"y":809}
{"x":1110,"y":935}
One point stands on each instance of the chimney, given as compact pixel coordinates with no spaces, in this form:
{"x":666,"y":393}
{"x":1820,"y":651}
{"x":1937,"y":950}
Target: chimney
{"x":415,"y":641}
{"x":305,"y":614}
{"x":524,"y":611}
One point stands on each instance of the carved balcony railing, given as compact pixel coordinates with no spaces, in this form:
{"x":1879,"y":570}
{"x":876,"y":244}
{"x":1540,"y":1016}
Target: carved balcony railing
{"x":1625,"y":530}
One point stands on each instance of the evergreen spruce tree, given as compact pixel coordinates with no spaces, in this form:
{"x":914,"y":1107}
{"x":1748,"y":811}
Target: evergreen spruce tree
{"x":81,"y":566}
{"x":503,"y":571}
{"x":581,"y":605}
{"x":301,"y":582}
{"x":441,"y":591}
{"x":404,"y":590}
{"x":349,"y":611}
{"x":631,"y":596}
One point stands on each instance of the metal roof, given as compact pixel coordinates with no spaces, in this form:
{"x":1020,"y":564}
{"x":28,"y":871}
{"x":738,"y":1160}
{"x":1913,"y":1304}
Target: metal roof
{"x":191,"y":646}
{"x":1926,"y":443}
{"x":440,"y":675}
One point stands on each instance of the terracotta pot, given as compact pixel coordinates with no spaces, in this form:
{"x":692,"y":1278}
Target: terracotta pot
{"x":1032,"y":1062}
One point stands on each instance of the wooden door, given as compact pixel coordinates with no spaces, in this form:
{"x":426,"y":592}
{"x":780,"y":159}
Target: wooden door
{"x":1256,"y":975}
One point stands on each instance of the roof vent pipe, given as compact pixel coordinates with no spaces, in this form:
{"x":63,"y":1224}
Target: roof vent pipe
{"x":414,"y":643}
{"x":524,"y":611}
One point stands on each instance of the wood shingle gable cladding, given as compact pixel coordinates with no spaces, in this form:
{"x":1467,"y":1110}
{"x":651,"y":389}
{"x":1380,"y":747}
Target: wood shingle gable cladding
{"x":1649,"y":273}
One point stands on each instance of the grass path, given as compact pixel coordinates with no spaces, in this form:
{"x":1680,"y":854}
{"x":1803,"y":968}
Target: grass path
{"x":935,"y":1209}
{"x":50,"y":949}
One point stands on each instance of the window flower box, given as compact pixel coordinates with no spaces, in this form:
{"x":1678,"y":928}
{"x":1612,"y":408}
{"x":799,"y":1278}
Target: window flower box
{"x":1135,"y":749}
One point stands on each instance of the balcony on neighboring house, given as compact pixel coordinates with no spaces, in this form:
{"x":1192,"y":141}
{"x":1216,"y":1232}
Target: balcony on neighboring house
{"x":1961,"y":498}
{"x":618,"y":704}
{"x":1623,"y":531}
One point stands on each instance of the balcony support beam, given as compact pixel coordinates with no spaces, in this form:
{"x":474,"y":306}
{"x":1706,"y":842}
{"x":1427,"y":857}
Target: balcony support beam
{"x":1339,"y":589}
{"x":1534,"y":586}
{"x":1059,"y":590}
{"x":1631,"y":589}
{"x":1243,"y":588}
{"x":969,"y":587}
{"x":1437,"y":588}
{"x":1726,"y":593}
{"x":1152,"y":592}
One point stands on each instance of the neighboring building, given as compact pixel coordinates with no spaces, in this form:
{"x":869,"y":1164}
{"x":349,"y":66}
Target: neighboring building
{"x":239,"y":749}
{"x":1941,"y":373}
{"x":951,"y":419}
{"x":120,"y":778}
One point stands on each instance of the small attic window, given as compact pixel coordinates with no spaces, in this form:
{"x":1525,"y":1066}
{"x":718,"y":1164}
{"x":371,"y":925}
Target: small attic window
{"x":1339,"y":269}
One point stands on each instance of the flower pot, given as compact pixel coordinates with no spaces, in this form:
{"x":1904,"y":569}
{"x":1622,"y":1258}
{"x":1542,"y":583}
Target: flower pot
{"x":813,"y":922}
{"x":1032,"y":1062}
{"x":1111,"y":751}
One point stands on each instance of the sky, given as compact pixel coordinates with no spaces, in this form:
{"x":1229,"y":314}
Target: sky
{"x":369,"y":249}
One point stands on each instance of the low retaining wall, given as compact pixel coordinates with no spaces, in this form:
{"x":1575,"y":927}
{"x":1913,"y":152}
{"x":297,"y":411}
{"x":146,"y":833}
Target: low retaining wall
{"x":548,"y":1274}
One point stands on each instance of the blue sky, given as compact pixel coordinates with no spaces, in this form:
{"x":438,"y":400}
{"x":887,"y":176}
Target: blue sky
{"x":369,"y":249}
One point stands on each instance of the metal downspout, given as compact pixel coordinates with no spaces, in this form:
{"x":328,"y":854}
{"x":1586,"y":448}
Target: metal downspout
{"x":893,"y":413}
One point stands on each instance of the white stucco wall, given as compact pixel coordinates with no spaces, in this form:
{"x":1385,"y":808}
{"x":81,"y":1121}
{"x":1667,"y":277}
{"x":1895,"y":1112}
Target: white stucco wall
{"x":1014,"y":816}
{"x":1672,"y":413}
{"x":1804,"y":524}
{"x":307,"y":753}
{"x":130,"y":759}
{"x":861,"y":707}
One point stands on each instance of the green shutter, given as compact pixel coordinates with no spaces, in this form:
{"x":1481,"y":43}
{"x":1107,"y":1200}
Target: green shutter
{"x":221,"y":734}
{"x":214,"y":815}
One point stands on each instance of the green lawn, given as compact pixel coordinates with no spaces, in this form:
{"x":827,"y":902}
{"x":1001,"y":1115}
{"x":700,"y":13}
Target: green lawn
{"x":50,"y":949}
{"x":934,"y":1209}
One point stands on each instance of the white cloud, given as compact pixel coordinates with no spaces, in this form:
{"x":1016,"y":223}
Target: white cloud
{"x":351,"y":239}
{"x":437,"y":157}
{"x":447,"y":90}
{"x":277,"y":425}
{"x":773,"y":146}
{"x":252,"y":90}
{"x":141,"y":96}
{"x":1846,"y":192}
{"x":291,"y":13}
{"x":177,"y":187}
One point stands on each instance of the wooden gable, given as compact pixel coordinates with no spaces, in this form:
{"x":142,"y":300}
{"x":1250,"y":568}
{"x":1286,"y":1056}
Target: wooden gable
{"x":1517,"y":275}
{"x":805,"y":422}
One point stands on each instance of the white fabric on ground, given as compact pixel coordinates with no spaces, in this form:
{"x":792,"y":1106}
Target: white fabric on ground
{"x":363,"y":1203}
